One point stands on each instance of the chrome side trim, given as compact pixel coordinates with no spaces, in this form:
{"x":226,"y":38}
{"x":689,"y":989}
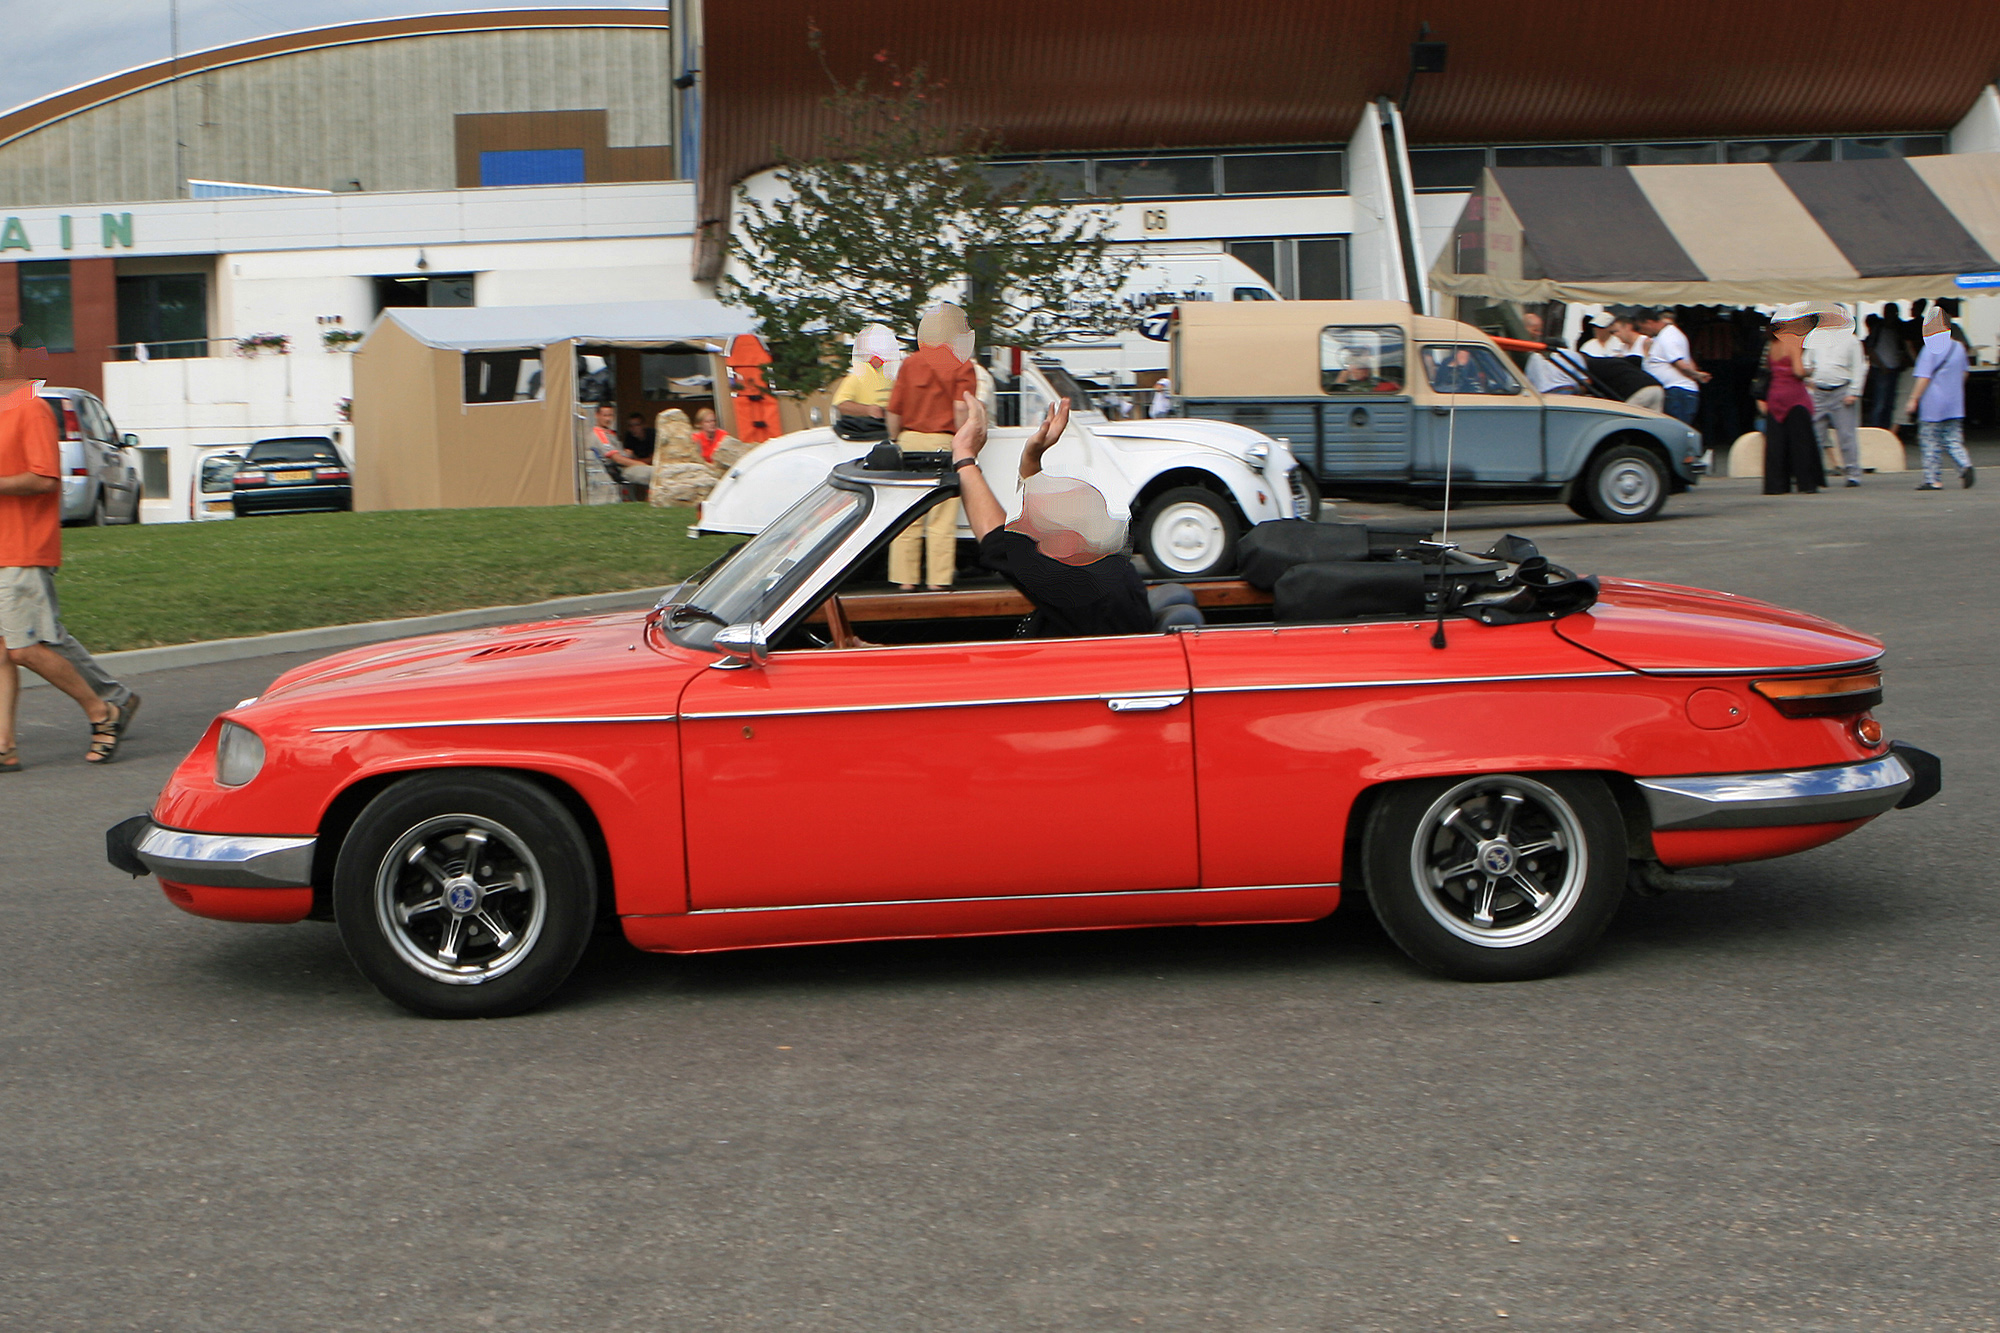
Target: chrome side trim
{"x":1855,"y":665}
{"x":1765,"y":800}
{"x":1008,"y":898}
{"x":227,"y":860}
{"x":1113,"y":699}
{"x":1383,"y":684}
{"x":500,"y":722}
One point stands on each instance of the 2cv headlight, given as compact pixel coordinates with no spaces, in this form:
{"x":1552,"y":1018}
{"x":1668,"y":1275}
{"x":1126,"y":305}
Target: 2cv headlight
{"x":239,"y":754}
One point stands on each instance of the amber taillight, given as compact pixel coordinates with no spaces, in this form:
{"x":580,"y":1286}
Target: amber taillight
{"x":1823,"y":696}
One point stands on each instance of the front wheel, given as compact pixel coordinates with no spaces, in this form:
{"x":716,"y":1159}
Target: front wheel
{"x":1188,"y":532}
{"x":465,"y":894}
{"x":99,"y":511}
{"x":1627,"y":483}
{"x":1496,"y":878}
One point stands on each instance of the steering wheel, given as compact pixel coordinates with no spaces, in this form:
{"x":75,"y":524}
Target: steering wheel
{"x":837,"y":627}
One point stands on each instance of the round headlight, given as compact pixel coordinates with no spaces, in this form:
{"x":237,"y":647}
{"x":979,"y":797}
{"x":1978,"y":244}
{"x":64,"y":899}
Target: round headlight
{"x":238,"y":755}
{"x":1258,"y":454}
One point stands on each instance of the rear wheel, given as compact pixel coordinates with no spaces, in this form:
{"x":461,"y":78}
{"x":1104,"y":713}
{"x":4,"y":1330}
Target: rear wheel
{"x":465,"y":894}
{"x":1188,"y":532}
{"x":1496,"y":878}
{"x":1305,"y":493}
{"x":1627,"y":483}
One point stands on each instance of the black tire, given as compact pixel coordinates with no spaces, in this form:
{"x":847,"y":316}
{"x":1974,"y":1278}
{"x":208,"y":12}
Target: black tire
{"x":1188,"y":532}
{"x":1626,"y":483}
{"x":99,"y":511}
{"x":1310,"y":485}
{"x":1572,"y":851}
{"x":528,"y":885}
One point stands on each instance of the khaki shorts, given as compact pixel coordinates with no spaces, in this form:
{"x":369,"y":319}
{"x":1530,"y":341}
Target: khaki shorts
{"x":28,"y":606}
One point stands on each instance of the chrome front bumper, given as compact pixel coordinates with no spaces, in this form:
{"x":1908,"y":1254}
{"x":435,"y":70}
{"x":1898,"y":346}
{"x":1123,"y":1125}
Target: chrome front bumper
{"x":219,"y":860}
{"x":1905,"y":776}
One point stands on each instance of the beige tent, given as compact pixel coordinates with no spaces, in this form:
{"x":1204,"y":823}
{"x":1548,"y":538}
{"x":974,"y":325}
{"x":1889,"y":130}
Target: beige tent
{"x":1737,"y":234}
{"x":477,"y":407}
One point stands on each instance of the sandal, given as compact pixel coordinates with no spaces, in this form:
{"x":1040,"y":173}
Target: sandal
{"x":105,"y":735}
{"x":10,"y":760}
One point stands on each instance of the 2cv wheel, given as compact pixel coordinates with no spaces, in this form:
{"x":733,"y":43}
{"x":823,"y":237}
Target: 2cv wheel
{"x":1187,"y":532}
{"x":465,"y":894}
{"x":1627,"y":483}
{"x":1496,"y":878}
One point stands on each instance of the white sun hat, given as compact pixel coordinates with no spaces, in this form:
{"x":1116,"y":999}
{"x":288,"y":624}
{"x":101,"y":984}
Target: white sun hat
{"x":1831,"y":316}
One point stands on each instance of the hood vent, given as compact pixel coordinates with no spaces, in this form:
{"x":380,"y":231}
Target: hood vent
{"x":520,"y":649}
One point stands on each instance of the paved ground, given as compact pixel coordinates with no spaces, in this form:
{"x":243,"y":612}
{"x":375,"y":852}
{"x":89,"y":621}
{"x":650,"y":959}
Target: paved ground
{"x":1770,"y":1109}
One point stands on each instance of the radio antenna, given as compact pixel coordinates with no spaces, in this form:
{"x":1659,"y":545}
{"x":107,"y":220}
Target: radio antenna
{"x":1444,"y":545}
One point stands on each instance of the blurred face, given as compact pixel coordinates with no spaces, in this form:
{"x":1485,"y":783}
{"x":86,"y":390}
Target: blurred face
{"x":607,"y":416}
{"x":1533,"y":322}
{"x":1795,"y":328}
{"x":704,"y":419}
{"x":1935,"y":322}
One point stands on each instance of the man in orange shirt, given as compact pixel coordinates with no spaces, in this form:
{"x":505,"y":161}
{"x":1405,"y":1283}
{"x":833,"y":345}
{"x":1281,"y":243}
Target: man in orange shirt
{"x":925,"y":408}
{"x":30,"y":551}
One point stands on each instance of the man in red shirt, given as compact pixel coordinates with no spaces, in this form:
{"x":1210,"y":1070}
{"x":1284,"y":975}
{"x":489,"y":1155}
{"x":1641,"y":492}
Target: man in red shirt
{"x":925,"y":407}
{"x":30,"y":551}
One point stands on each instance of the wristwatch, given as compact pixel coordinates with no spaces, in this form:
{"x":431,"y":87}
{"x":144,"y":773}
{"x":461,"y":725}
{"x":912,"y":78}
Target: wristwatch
{"x":964,"y":463}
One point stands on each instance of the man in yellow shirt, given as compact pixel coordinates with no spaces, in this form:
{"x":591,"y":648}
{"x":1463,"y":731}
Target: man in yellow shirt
{"x":862,"y":398}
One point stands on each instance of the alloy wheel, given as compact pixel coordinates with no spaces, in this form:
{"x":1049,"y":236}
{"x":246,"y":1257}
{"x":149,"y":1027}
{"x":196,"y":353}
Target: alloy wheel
{"x":460,"y":899}
{"x":1499,"y":861}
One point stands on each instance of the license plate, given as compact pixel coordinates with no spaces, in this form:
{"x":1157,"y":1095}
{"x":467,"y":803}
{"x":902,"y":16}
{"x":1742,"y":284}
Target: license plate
{"x":305,"y":475}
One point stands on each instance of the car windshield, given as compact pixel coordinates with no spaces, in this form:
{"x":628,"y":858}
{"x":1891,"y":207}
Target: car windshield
{"x":307,"y":450}
{"x":1059,"y":380}
{"x":740,"y":588}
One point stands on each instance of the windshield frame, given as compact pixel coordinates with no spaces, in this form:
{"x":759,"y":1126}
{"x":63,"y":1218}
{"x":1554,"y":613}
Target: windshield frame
{"x":700,"y":633}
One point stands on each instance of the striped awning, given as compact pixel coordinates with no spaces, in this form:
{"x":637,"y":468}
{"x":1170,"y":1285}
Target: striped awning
{"x":1742,"y":234}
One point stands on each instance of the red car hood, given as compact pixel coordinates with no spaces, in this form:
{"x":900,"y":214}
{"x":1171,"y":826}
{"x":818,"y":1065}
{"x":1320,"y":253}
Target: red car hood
{"x":1659,"y":627}
{"x":540,"y":667}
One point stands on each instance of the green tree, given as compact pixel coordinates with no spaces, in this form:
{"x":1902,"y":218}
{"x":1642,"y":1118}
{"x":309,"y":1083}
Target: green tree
{"x":903,"y":209}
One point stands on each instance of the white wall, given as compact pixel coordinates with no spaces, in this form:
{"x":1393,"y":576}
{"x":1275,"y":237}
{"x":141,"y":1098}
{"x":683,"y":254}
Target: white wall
{"x":1374,"y":268}
{"x":178,"y":404}
{"x":1978,"y":131}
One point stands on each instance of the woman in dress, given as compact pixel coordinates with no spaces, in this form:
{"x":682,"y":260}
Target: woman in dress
{"x":1791,"y":455}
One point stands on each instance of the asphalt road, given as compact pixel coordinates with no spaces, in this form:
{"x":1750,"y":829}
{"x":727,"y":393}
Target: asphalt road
{"x":1774,"y":1108}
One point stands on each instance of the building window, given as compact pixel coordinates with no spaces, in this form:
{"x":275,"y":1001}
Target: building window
{"x":1300,"y":268}
{"x":532,"y":166}
{"x":1551,"y":155}
{"x":1284,"y":173}
{"x":440,"y":289}
{"x":46,"y":318}
{"x":1448,"y":169}
{"x":1779,"y":150}
{"x":503,"y":377}
{"x":1069,"y":179}
{"x":153,"y":478}
{"x":165,"y":313}
{"x":1898,"y":145}
{"x":1661,"y":154}
{"x":1155,"y":177}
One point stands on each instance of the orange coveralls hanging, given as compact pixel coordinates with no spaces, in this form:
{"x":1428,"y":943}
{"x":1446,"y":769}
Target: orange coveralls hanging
{"x":756,"y":408}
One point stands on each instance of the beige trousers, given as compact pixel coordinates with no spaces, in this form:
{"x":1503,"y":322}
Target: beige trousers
{"x":930,"y":545}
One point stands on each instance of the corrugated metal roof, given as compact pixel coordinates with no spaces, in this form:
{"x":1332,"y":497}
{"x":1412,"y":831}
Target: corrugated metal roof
{"x":1048,"y":76}
{"x":475,"y":328}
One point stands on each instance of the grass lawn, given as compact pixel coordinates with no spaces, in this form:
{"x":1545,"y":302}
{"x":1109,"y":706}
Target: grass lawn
{"x":136,"y":587}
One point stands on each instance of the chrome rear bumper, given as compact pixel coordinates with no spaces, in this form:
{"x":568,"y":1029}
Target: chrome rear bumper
{"x":218,"y":860}
{"x":1859,"y":790}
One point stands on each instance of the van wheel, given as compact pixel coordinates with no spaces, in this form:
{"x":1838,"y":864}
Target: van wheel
{"x":465,"y":894}
{"x":1496,"y":878}
{"x":1188,"y":532}
{"x":1625,"y":484}
{"x":99,"y":511}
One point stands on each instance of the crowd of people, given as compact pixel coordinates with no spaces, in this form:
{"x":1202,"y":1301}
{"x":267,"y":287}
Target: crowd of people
{"x":1800,"y":375}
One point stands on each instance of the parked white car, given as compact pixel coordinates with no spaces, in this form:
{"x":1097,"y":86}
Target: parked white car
{"x":1191,"y":487}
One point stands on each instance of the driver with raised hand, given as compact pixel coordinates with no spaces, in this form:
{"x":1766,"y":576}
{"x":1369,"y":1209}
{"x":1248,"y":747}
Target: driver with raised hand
{"x":1065,"y":553}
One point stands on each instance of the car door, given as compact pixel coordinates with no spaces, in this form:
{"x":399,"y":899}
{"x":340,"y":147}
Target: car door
{"x":104,"y":457}
{"x":940,"y":772}
{"x":1365,"y":430}
{"x":1480,"y":414}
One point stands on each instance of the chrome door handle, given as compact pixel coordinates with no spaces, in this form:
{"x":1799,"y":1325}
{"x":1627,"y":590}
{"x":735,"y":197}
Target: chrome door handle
{"x":1150,"y":703}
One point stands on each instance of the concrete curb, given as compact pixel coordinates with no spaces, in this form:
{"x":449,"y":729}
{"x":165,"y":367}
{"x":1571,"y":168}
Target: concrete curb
{"x":139,"y":661}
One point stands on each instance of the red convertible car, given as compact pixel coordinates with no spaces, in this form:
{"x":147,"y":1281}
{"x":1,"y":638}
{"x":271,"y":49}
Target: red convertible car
{"x":781,"y":754}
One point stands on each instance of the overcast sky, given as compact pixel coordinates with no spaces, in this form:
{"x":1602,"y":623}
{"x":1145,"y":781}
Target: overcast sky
{"x":50,"y":45}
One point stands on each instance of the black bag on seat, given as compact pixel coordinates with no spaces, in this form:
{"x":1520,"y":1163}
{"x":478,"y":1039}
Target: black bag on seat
{"x":1269,"y":549}
{"x":1348,"y":589}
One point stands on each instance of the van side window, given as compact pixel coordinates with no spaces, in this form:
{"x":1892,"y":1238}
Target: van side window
{"x":1361,"y":360}
{"x":1467,"y":368}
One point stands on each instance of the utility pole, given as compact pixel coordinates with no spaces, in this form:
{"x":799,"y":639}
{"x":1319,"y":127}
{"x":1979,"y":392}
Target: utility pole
{"x":174,"y":84}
